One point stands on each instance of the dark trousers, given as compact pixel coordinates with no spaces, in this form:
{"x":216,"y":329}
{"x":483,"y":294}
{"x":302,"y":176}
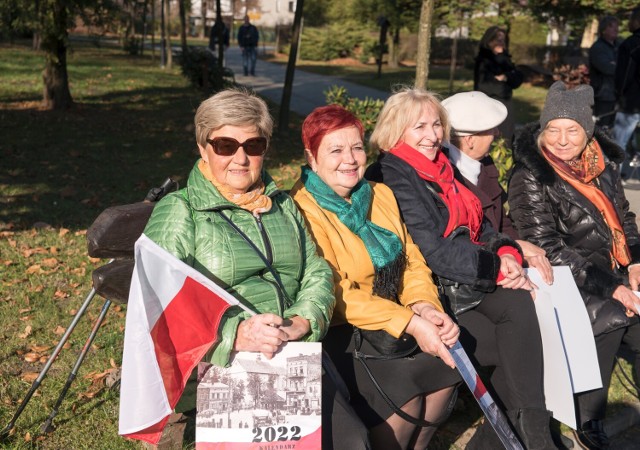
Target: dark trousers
{"x":507,"y":128}
{"x":592,"y":405}
{"x":503,"y":331}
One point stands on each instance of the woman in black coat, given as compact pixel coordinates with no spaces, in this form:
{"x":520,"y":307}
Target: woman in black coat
{"x":445,"y":220}
{"x":565,"y":195}
{"x":496,"y":75}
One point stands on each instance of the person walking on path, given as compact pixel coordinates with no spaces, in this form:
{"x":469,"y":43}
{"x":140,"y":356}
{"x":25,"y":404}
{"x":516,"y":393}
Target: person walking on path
{"x":627,"y":83}
{"x":248,"y":37}
{"x":602,"y":68}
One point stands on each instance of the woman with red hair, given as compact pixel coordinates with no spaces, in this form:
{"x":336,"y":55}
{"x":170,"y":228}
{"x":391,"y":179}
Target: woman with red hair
{"x":384,"y":289}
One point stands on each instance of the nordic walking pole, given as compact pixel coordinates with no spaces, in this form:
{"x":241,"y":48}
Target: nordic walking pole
{"x":46,"y":426}
{"x":491,"y":411}
{"x":5,"y":432}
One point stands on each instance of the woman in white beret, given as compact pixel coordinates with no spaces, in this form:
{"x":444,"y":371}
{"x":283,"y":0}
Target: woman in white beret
{"x":474,"y":119}
{"x":479,"y":270}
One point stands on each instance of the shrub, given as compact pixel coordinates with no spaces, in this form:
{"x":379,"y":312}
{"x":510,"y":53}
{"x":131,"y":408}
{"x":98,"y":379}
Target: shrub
{"x":503,"y":159}
{"x":201,"y":68}
{"x":323,"y":44}
{"x":366,"y":110}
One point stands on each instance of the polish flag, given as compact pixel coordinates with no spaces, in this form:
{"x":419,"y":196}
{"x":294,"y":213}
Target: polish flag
{"x":173,"y":315}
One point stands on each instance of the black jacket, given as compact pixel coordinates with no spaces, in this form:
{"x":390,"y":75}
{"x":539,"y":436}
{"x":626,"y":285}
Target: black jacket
{"x":487,"y":66}
{"x":550,"y":213}
{"x":627,"y":76}
{"x":426,"y":217}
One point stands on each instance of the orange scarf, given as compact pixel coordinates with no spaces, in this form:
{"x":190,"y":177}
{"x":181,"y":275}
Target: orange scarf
{"x":582,"y":176}
{"x":253,"y":200}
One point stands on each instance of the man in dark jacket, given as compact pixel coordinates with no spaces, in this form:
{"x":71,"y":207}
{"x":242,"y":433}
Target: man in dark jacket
{"x":214,"y":36}
{"x":602,"y":68}
{"x":627,"y":81}
{"x":248,"y":41}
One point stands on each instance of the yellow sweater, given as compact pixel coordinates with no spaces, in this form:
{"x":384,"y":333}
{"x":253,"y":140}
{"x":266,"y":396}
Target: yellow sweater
{"x":353,"y":270}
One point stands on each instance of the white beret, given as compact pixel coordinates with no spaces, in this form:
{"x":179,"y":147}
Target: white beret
{"x":473,"y":112}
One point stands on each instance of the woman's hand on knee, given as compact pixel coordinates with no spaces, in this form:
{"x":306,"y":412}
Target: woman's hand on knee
{"x":626,"y":296}
{"x":447,"y":328}
{"x":514,"y":274}
{"x":634,"y":276}
{"x":428,"y":338}
{"x":536,"y":257}
{"x":260,"y":333}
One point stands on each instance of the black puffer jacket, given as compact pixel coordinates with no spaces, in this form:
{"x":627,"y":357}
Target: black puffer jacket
{"x":550,"y":213}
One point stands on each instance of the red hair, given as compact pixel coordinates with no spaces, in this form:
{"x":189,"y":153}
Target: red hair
{"x":324,"y":120}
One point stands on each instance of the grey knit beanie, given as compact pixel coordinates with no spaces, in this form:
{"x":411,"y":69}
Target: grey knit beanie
{"x":563,"y":103}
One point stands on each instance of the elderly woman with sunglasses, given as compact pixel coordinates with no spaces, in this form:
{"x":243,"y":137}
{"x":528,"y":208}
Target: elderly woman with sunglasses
{"x":232,"y":224}
{"x":382,"y":285}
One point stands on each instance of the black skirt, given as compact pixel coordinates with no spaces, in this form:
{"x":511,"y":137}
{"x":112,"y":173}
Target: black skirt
{"x":401,"y":379}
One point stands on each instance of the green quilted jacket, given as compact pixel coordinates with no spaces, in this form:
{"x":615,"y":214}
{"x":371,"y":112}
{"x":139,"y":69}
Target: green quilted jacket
{"x":188,"y":224}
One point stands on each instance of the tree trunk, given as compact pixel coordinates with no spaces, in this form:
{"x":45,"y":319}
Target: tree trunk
{"x":167,"y":33}
{"x":145,"y":10}
{"x":590,"y":34}
{"x":454,"y":60}
{"x":183,"y":27}
{"x":153,"y":30}
{"x":394,"y":48}
{"x":220,"y":31}
{"x":203,"y":13}
{"x":56,"y":95}
{"x":424,"y":44}
{"x":283,"y":122}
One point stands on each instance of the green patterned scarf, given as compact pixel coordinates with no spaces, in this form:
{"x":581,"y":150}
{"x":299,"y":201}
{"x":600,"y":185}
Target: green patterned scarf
{"x":384,"y":247}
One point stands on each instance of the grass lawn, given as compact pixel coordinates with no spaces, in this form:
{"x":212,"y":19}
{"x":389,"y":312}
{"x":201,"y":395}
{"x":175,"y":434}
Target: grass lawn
{"x":132,"y":126}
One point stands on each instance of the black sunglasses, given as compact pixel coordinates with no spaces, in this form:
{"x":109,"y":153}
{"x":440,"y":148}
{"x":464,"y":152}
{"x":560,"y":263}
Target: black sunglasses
{"x":226,"y":146}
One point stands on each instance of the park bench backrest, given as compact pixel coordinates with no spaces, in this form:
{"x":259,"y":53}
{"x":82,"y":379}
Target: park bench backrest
{"x":113,"y":235}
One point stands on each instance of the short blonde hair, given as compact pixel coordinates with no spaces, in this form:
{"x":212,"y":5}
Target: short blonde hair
{"x":400,"y":111}
{"x":235,"y":107}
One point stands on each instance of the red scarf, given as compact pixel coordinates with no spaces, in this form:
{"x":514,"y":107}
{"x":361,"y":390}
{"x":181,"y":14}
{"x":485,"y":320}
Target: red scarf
{"x":464,"y":207}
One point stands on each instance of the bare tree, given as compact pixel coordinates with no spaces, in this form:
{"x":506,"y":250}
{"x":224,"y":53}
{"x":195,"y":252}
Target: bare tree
{"x":424,"y":44}
{"x":56,"y":93}
{"x":183,"y":26}
{"x":167,"y":32}
{"x":203,"y":13}
{"x":285,"y":104}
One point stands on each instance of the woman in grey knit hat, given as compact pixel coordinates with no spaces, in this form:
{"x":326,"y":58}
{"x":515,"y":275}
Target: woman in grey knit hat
{"x":566,"y":196}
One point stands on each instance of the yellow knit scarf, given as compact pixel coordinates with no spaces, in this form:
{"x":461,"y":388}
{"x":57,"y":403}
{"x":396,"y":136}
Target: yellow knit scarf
{"x":253,"y":200}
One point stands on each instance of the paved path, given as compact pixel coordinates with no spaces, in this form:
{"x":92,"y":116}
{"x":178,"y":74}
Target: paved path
{"x":308,"y":93}
{"x":308,"y":88}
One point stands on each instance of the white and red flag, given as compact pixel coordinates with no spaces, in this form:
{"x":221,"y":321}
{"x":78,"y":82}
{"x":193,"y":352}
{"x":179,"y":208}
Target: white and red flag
{"x":173,"y":315}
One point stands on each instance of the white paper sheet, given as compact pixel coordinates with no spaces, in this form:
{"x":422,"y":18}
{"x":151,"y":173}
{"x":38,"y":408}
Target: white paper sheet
{"x":637,"y":303}
{"x":575,"y":328}
{"x":557,"y":387}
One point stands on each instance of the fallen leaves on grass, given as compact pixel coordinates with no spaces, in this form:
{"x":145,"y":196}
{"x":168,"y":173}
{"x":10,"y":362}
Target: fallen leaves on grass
{"x":29,"y":377}
{"x":27,"y":252}
{"x":34,"y":269}
{"x":27,"y":332}
{"x":49,"y":262}
{"x":63,"y":231}
{"x":31,"y":357}
{"x":59,"y":330}
{"x":60,"y":294}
